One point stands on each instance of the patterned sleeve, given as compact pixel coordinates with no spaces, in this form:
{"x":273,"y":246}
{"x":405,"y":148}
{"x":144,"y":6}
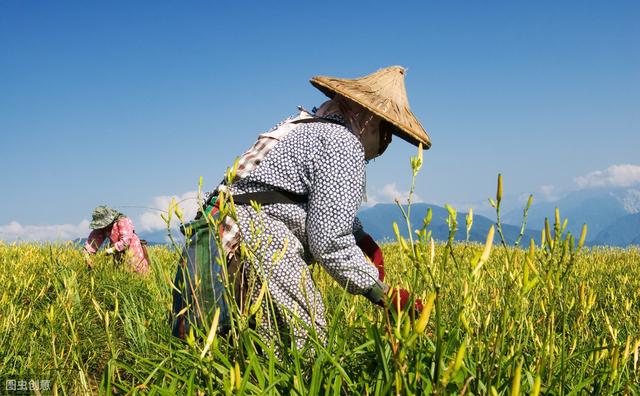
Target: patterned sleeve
{"x":94,"y":241}
{"x":334,"y":198}
{"x":125,"y":229}
{"x":358,"y":230}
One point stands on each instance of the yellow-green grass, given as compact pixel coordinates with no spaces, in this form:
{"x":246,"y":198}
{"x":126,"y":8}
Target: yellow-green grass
{"x":558,"y":320}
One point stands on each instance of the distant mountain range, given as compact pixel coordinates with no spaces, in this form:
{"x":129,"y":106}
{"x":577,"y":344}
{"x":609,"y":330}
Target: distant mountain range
{"x":161,"y":236}
{"x":378,"y":222}
{"x":153,"y":238}
{"x":624,"y":231}
{"x":611,"y":214}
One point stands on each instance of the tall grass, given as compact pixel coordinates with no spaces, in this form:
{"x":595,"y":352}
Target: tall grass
{"x":107,"y":329}
{"x":553,"y":318}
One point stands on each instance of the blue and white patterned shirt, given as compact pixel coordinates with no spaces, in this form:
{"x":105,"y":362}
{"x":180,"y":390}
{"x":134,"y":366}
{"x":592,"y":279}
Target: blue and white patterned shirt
{"x":325,"y":161}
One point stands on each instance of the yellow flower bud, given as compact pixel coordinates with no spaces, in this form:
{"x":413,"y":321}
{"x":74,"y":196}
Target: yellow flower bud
{"x":583,"y":235}
{"x":547,"y":231}
{"x":238,"y":376}
{"x":423,"y":320}
{"x":460,"y":356}
{"x":515,"y":385}
{"x":536,"y":386}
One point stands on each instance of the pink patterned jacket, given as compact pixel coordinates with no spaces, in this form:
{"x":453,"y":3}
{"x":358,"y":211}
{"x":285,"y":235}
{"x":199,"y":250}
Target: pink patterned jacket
{"x":124,"y":240}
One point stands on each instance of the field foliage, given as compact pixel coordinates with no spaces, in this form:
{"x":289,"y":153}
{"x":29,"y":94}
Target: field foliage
{"x":107,"y":329}
{"x":553,"y":318}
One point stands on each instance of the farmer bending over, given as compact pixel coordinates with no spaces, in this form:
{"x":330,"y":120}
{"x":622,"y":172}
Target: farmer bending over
{"x":124,"y":245}
{"x":309,"y":175}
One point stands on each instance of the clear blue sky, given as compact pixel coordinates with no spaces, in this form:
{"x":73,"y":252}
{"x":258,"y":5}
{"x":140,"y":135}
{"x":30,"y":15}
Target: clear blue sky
{"x":121,"y":102}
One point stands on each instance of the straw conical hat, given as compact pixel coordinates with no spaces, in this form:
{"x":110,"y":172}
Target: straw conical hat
{"x":384,"y":94}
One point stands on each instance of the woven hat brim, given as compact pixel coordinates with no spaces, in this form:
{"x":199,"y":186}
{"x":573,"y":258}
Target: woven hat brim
{"x":414,"y":135}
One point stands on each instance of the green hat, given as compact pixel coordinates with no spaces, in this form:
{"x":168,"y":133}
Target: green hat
{"x":103,"y":216}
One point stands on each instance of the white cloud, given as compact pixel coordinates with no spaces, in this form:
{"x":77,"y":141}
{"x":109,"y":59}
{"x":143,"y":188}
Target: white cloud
{"x":631,"y":200}
{"x":371,"y":201}
{"x":151,"y":219}
{"x":478,"y":207}
{"x":548,"y":193}
{"x":389,"y":193}
{"x":15,"y":231}
{"x":623,"y":175}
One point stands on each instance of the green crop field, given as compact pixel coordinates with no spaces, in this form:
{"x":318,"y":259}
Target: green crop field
{"x":554,"y":318}
{"x":549,"y":321}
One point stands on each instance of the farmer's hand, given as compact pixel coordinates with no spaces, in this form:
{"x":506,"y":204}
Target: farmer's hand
{"x":399,"y":300}
{"x":110,"y":250}
{"x":371,"y":249}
